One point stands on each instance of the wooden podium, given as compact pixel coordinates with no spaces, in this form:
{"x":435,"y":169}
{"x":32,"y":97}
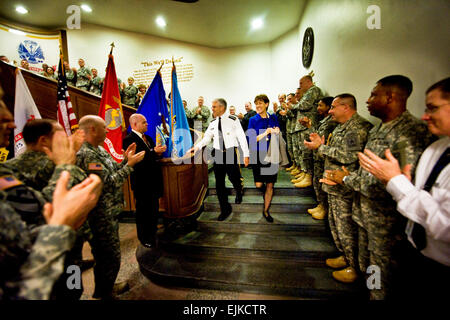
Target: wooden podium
{"x":185,"y":187}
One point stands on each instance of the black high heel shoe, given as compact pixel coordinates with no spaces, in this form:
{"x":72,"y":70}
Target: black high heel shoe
{"x":268,"y":217}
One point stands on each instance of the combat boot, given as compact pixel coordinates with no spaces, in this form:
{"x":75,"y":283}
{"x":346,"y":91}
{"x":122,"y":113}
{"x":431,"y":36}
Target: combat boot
{"x":306,"y":182}
{"x":300,"y":175}
{"x":312,"y":210}
{"x":295,"y":172}
{"x":291,"y":167}
{"x":336,"y":263}
{"x":298,"y":178}
{"x":347,"y":275}
{"x":320,"y":213}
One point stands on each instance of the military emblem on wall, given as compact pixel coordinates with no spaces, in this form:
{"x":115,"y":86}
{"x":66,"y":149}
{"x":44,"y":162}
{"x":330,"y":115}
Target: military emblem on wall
{"x":31,"y":51}
{"x":308,"y":47}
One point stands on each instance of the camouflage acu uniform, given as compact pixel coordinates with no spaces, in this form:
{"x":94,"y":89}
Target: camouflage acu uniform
{"x":189,"y":117}
{"x":71,"y":77}
{"x":32,"y":168}
{"x":291,"y":116}
{"x":381,"y":226}
{"x":306,"y":107}
{"x":129,"y":95}
{"x":344,"y":144}
{"x":103,"y":219}
{"x":203,"y":116}
{"x":324,"y":128}
{"x":35,"y":169}
{"x":83,"y":81}
{"x":96,"y":86}
{"x":30,"y":265}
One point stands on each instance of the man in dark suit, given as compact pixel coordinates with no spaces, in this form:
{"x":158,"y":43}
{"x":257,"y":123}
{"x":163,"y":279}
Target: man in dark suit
{"x":146,"y":180}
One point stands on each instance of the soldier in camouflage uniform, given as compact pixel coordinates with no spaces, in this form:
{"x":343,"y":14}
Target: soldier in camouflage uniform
{"x":30,"y":266}
{"x":189,"y":115}
{"x":96,"y":83}
{"x":323,"y":128}
{"x":71,"y":74}
{"x":83,"y":76}
{"x":33,"y":167}
{"x":281,"y":119}
{"x":381,"y":227}
{"x":306,"y":107}
{"x":51,"y":74}
{"x":290,"y":123}
{"x":44,"y":70}
{"x":201,"y":113}
{"x":347,"y":139}
{"x":93,"y":158}
{"x":130,"y":93}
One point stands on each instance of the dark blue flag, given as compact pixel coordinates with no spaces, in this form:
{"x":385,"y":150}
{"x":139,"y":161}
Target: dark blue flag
{"x":154,"y":108}
{"x":180,"y":140}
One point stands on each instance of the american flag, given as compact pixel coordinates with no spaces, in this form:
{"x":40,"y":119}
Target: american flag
{"x":66,"y":116}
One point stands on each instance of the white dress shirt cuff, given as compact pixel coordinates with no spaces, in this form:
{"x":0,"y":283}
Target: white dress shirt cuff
{"x":399,"y":186}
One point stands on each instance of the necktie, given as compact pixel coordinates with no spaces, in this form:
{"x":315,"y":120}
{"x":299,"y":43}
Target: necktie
{"x":145,"y":140}
{"x":221,"y":144}
{"x":418,"y":233}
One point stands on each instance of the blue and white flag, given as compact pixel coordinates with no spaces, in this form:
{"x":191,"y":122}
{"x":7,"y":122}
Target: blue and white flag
{"x":180,"y":140}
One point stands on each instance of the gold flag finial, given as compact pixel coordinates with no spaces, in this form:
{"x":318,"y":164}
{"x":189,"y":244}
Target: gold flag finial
{"x":112,"y":47}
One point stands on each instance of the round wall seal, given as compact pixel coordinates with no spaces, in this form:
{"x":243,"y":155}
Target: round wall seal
{"x":308,"y":47}
{"x":31,"y":51}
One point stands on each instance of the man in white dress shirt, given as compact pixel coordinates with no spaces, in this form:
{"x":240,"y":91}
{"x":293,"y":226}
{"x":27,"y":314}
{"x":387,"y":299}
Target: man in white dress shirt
{"x":426,"y":203}
{"x":227,"y":135}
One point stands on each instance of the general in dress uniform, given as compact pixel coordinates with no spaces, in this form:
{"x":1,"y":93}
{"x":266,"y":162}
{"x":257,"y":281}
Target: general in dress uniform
{"x":227,"y":135}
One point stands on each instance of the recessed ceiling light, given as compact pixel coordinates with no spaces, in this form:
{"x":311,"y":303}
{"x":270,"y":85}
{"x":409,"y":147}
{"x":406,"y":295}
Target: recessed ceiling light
{"x":21,"y":10}
{"x":257,"y":23}
{"x":86,"y":8}
{"x":20,"y":33}
{"x":161,"y":22}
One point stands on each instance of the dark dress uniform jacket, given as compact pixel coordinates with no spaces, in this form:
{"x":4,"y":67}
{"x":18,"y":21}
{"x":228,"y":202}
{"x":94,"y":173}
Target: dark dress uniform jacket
{"x":147,"y":175}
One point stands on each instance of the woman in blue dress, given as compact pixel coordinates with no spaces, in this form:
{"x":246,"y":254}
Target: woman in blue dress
{"x":261,"y":127}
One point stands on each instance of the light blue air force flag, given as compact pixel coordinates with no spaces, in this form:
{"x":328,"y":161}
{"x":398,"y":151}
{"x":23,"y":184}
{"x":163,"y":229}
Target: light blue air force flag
{"x":154,"y":108}
{"x":180,"y":140}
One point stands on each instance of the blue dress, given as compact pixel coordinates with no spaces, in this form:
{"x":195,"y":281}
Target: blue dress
{"x":262,"y":171}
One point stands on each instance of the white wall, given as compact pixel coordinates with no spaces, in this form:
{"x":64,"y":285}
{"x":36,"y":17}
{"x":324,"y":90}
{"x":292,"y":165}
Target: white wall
{"x":49,"y":44}
{"x":348,"y":57}
{"x":236,"y":74}
{"x":285,"y":62}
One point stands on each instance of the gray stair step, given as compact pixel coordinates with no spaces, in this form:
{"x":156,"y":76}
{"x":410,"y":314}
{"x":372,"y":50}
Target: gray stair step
{"x":269,"y":277}
{"x":254,"y":203}
{"x":286,"y":191}
{"x":283,"y":181}
{"x":253,"y":222}
{"x":254,"y":246}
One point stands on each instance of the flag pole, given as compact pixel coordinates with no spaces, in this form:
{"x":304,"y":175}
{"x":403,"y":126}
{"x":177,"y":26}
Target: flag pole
{"x":171,"y":103}
{"x":112,"y":48}
{"x":61,"y":60}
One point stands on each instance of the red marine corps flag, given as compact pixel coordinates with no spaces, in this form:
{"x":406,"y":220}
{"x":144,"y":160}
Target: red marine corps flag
{"x":111,"y":111}
{"x":66,"y":116}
